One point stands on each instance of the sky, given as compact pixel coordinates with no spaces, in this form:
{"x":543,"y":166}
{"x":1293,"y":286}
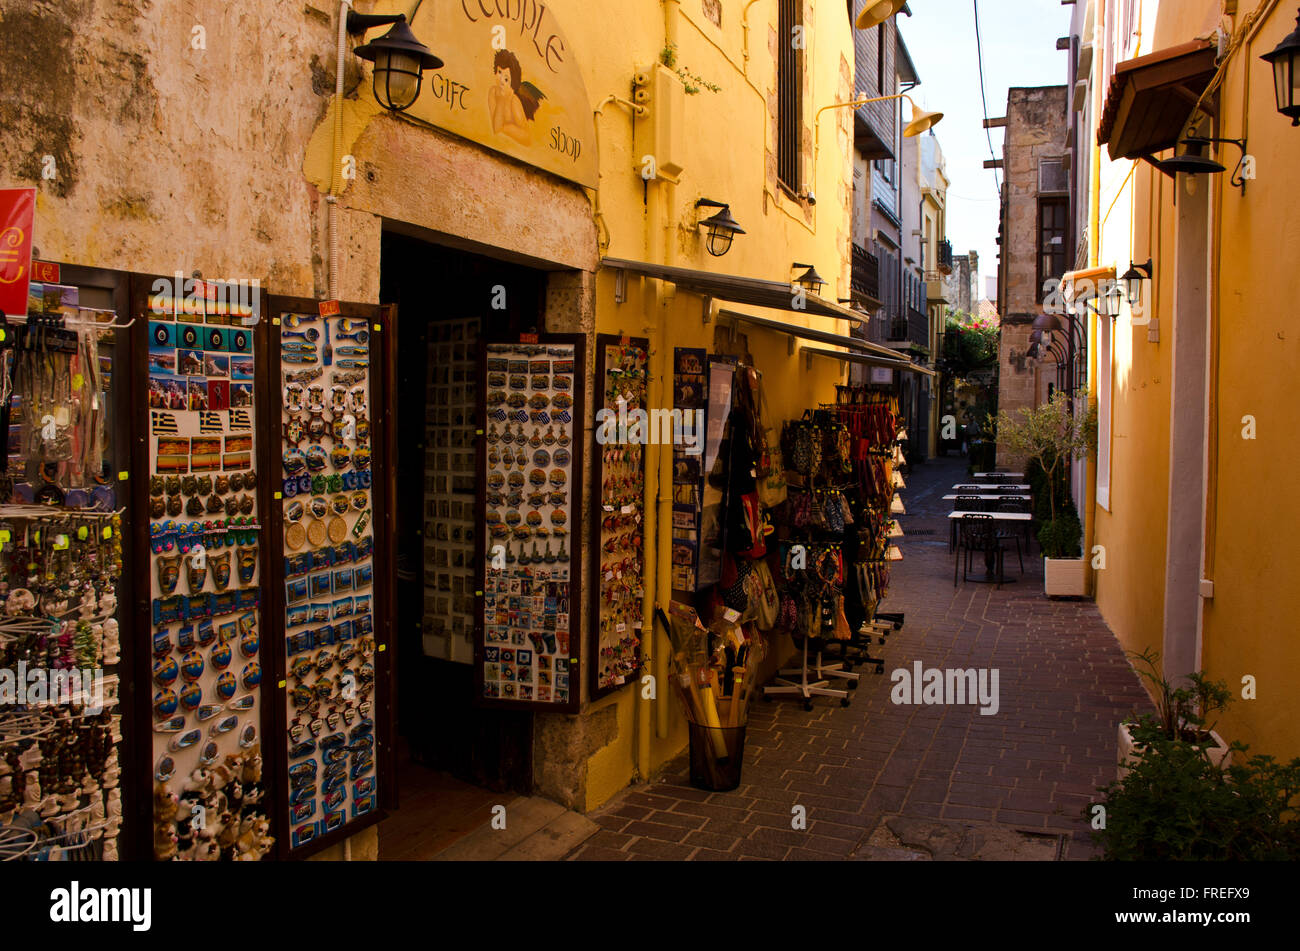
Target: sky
{"x":1019,"y":43}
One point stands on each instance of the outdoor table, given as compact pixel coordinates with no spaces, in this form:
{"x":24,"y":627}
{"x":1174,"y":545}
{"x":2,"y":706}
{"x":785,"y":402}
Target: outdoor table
{"x":994,"y":497}
{"x":1000,"y":475}
{"x":989,"y":576}
{"x":958,"y":486}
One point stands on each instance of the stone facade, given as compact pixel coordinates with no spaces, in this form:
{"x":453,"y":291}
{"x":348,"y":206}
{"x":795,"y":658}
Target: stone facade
{"x":1035,"y":130}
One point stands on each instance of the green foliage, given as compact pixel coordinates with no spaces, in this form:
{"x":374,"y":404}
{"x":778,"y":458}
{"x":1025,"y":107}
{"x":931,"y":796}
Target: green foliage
{"x":968,"y":348}
{"x":1049,"y":434}
{"x":1181,"y":712}
{"x":1176,"y":805}
{"x":691,"y":82}
{"x":1059,"y":537}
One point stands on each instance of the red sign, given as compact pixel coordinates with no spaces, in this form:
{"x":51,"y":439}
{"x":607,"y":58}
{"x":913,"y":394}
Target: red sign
{"x":43,"y":272}
{"x":528,"y":338}
{"x":17,"y":209}
{"x":328,"y":308}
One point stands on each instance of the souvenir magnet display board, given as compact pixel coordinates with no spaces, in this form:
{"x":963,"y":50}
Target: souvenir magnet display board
{"x":622,"y":428}
{"x":205,"y":611}
{"x":327,"y":527}
{"x":532,"y":512}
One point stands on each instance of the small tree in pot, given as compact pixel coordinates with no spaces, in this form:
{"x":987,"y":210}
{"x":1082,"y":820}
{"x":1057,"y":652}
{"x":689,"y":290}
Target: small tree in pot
{"x":1051,"y":435}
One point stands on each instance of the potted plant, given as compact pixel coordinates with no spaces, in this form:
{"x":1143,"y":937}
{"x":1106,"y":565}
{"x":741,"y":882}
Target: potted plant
{"x":1183,"y":715}
{"x":1051,"y":435}
{"x":1180,"y":806}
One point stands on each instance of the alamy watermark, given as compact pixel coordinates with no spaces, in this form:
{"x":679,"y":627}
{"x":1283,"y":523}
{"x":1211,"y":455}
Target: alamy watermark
{"x":950,"y":687}
{"x":37,"y":686}
{"x":192,"y":295}
{"x":674,"y":427}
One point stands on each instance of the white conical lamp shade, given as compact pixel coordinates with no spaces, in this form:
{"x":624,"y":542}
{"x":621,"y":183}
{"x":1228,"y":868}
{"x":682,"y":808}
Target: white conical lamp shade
{"x":877,"y":12}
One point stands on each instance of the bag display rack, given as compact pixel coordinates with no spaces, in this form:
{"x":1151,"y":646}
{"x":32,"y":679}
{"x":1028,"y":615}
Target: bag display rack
{"x":837,"y":547}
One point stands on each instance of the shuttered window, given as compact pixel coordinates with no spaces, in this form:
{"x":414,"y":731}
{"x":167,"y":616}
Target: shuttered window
{"x":789,"y":97}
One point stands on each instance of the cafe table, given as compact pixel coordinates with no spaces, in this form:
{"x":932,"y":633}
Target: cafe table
{"x":989,"y":577}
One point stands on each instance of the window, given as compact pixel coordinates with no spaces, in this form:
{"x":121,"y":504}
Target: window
{"x":789,"y":98}
{"x":880,"y":60}
{"x":886,"y":169}
{"x":1053,"y":176}
{"x":1052,"y":216}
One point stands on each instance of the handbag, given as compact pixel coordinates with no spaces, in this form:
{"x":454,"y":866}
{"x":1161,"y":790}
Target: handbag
{"x":754,"y":542}
{"x":769,"y":603}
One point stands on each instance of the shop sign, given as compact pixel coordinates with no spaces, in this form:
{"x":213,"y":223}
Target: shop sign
{"x":510,"y":82}
{"x":44,"y":272}
{"x":17,"y":211}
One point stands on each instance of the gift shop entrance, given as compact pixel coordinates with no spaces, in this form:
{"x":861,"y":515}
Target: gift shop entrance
{"x":447,"y":301}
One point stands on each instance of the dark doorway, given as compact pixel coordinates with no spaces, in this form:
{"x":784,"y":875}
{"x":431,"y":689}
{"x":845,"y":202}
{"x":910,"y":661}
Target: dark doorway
{"x":446,"y":301}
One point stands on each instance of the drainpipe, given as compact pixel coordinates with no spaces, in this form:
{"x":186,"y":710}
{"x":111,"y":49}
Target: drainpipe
{"x":659,"y":217}
{"x":1094,"y":256}
{"x":744,"y":26}
{"x":331,"y":200}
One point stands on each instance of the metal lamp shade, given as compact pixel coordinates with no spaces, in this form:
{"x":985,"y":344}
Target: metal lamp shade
{"x":1193,"y":160}
{"x":811,"y":280}
{"x":921,"y":122}
{"x":1285,"y":60}
{"x":400,"y":60}
{"x":877,"y":12}
{"x":721,"y":229}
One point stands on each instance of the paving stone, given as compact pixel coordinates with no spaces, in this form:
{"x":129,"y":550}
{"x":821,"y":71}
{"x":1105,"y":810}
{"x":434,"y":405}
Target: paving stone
{"x":1064,"y":683}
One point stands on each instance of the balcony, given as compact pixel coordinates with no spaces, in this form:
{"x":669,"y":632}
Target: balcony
{"x":896,"y":328}
{"x":865,"y":279}
{"x":937,"y":289}
{"x":945,"y":256}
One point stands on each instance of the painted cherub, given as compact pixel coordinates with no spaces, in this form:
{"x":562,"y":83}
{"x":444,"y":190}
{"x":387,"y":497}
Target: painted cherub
{"x":512,"y":101}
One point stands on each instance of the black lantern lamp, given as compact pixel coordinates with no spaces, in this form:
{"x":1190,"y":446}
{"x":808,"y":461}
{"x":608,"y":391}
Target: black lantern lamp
{"x":400,"y":59}
{"x":1132,"y":280}
{"x":721,"y":227}
{"x":810,"y":280}
{"x":1285,"y":60}
{"x":1193,"y":160}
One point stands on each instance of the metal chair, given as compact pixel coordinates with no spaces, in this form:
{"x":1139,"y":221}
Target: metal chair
{"x":963,"y":503}
{"x":978,"y":533}
{"x":1009,"y":534}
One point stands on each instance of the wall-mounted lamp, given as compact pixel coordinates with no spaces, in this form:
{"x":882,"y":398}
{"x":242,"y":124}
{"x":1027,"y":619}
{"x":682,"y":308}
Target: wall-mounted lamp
{"x":1285,"y":60}
{"x":1133,"y":278}
{"x":721,"y":227}
{"x":400,"y":59}
{"x":1193,"y":160}
{"x":809,"y":280}
{"x":922,"y":121}
{"x":877,"y":12}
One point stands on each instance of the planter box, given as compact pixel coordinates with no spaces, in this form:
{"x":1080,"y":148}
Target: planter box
{"x":1064,"y":577}
{"x":1130,"y":755}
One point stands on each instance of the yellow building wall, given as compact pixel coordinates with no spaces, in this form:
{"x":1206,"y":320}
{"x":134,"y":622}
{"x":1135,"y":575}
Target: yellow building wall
{"x":1253,"y":512}
{"x":728,"y":152}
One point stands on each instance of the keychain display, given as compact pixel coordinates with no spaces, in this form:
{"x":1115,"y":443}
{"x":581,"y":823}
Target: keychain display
{"x":619,"y":471}
{"x":60,"y":570}
{"x":529,"y":654}
{"x":209,"y":801}
{"x":330,"y":642}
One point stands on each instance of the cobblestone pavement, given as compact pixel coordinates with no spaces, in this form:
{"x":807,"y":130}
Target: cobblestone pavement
{"x":885,"y":781}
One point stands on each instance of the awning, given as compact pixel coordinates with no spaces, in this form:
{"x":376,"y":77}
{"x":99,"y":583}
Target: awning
{"x":871,"y":360}
{"x":739,"y":290}
{"x":855,"y":344}
{"x":1151,"y":98}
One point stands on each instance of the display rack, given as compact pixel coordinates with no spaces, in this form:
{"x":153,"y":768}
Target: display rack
{"x":62,"y":584}
{"x":618,"y":470}
{"x":528,"y":647}
{"x":203,"y":550}
{"x":332,"y":524}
